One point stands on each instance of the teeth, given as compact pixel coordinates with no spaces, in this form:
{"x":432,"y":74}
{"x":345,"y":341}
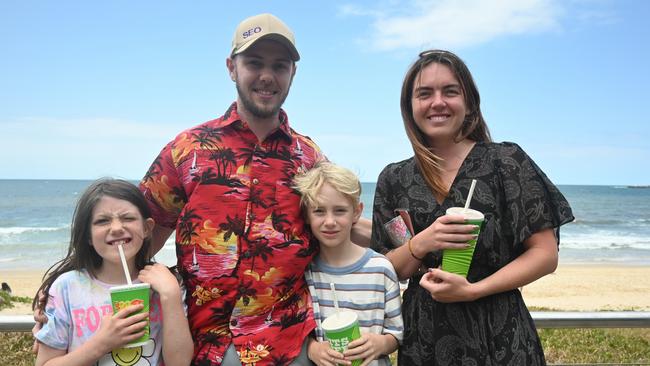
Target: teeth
{"x":438,"y":118}
{"x":119,"y":242}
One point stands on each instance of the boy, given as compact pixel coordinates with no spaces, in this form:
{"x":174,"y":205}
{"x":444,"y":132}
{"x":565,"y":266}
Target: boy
{"x":365,"y":281}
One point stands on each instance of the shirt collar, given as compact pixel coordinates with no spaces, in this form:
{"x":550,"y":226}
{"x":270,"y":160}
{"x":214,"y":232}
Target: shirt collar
{"x":232,"y":118}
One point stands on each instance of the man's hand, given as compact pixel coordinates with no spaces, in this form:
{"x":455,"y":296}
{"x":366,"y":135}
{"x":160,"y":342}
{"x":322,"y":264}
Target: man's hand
{"x":40,"y":319}
{"x":361,"y":232}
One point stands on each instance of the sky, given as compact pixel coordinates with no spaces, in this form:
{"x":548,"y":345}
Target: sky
{"x":96,"y":88}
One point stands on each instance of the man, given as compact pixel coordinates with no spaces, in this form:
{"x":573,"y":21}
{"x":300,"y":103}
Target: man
{"x":225,"y":187}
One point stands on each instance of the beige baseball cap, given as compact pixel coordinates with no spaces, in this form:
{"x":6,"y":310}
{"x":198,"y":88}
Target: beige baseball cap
{"x":263,"y":26}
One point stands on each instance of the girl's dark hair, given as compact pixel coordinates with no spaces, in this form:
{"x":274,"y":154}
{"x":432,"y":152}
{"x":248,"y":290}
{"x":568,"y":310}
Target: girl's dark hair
{"x":81,"y":254}
{"x":473,"y":128}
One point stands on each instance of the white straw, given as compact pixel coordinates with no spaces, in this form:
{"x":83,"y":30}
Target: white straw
{"x":336,"y":301}
{"x":124,"y":265}
{"x":469,"y":195}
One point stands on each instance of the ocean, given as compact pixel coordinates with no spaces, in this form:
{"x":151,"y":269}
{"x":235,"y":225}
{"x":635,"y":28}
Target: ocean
{"x":612,"y":223}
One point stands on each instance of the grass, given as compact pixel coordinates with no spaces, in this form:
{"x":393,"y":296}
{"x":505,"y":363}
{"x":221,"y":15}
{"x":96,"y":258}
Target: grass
{"x":6,"y":300}
{"x":596,"y":345}
{"x":16,"y":349}
{"x":561,"y":346}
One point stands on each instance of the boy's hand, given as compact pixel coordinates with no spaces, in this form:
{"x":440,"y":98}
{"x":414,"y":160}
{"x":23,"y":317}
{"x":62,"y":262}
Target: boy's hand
{"x":323,"y":355}
{"x":369,"y":347}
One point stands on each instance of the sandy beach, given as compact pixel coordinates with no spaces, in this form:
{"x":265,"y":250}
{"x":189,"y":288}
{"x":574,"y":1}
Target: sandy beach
{"x":573,"y":287}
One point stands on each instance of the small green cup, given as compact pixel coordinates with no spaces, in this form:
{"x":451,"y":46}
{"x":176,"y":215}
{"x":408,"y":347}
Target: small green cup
{"x":340,"y":329}
{"x":126,"y":295}
{"x":458,"y":260}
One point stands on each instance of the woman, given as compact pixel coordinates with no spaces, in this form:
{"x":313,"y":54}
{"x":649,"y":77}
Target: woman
{"x":481,"y":319}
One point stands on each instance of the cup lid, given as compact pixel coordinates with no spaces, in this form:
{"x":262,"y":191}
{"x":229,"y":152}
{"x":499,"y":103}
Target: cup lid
{"x":339,"y":320}
{"x":469,"y":213}
{"x":130,"y":287}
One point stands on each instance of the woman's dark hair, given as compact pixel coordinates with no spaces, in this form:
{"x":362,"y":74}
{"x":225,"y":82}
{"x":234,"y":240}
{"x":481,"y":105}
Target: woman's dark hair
{"x":473,"y":127}
{"x":81,"y":253}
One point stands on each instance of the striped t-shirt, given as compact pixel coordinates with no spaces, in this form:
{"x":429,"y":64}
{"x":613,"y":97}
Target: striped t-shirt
{"x":369,"y":287}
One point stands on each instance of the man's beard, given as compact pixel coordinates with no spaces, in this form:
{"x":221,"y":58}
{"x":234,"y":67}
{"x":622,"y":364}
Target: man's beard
{"x":257,"y":111}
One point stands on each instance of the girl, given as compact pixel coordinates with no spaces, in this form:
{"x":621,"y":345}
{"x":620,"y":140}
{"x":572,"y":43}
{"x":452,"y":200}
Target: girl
{"x":81,"y":328}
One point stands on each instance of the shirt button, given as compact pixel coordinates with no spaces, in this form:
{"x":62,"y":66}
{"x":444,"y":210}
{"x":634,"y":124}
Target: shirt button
{"x":255,"y":180}
{"x":247,"y":254}
{"x":233,"y":322}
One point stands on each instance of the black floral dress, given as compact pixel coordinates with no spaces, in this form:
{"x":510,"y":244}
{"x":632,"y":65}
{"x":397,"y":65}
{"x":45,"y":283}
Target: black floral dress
{"x":518,"y":200}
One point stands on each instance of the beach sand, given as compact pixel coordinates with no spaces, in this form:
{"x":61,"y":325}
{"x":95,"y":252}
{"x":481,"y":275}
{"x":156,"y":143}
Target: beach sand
{"x":22,"y":283}
{"x":573,"y":287}
{"x":582,"y":287}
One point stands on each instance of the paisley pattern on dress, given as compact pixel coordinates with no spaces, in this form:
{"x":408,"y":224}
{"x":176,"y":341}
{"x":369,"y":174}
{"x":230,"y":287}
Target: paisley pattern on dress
{"x":518,"y":200}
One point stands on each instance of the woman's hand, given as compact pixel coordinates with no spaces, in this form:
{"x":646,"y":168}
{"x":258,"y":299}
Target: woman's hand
{"x":447,"y":232}
{"x":161,"y":280}
{"x":323,"y":355}
{"x":447,"y":287}
{"x":370,"y":346}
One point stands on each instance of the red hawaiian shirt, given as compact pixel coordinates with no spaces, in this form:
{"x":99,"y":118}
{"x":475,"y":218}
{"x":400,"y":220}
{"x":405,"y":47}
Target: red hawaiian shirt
{"x":241,"y":242}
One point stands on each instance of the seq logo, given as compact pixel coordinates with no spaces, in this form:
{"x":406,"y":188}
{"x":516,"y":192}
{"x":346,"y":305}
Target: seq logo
{"x":251,"y":32}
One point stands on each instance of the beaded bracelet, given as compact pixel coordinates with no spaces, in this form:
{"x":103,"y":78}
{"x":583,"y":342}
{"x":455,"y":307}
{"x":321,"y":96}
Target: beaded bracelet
{"x":411,"y":251}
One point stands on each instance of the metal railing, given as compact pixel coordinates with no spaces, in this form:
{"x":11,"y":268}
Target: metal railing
{"x":597,"y":319}
{"x":543,"y":319}
{"x":16,"y":323}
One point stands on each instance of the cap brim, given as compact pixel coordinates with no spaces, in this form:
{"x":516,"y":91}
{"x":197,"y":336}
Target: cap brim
{"x":275,"y":37}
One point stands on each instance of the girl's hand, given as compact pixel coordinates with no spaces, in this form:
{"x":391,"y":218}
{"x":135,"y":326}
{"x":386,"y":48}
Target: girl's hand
{"x":161,"y":280}
{"x":323,"y":355}
{"x":368,"y":348}
{"x":447,"y":287}
{"x":447,"y":232}
{"x":121,"y":328}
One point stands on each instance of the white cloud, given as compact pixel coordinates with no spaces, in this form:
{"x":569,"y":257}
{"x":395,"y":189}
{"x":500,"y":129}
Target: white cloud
{"x":456,"y":23}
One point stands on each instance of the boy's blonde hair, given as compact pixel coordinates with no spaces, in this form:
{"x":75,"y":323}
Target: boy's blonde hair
{"x":341,"y":179}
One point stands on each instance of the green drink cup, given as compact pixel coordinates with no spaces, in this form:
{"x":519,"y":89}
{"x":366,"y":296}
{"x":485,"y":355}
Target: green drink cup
{"x":458,"y":260}
{"x":340,"y":329}
{"x":127,"y":295}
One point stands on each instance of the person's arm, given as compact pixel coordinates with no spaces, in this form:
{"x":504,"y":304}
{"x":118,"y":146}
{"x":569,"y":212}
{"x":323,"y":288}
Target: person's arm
{"x":444,"y":233}
{"x":159,"y":236}
{"x":539,"y":259}
{"x":361,"y":232}
{"x":114,"y":331}
{"x":177,"y":347}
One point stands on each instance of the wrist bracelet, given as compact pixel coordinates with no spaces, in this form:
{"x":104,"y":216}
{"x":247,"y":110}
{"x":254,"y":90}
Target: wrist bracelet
{"x":411,"y":251}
